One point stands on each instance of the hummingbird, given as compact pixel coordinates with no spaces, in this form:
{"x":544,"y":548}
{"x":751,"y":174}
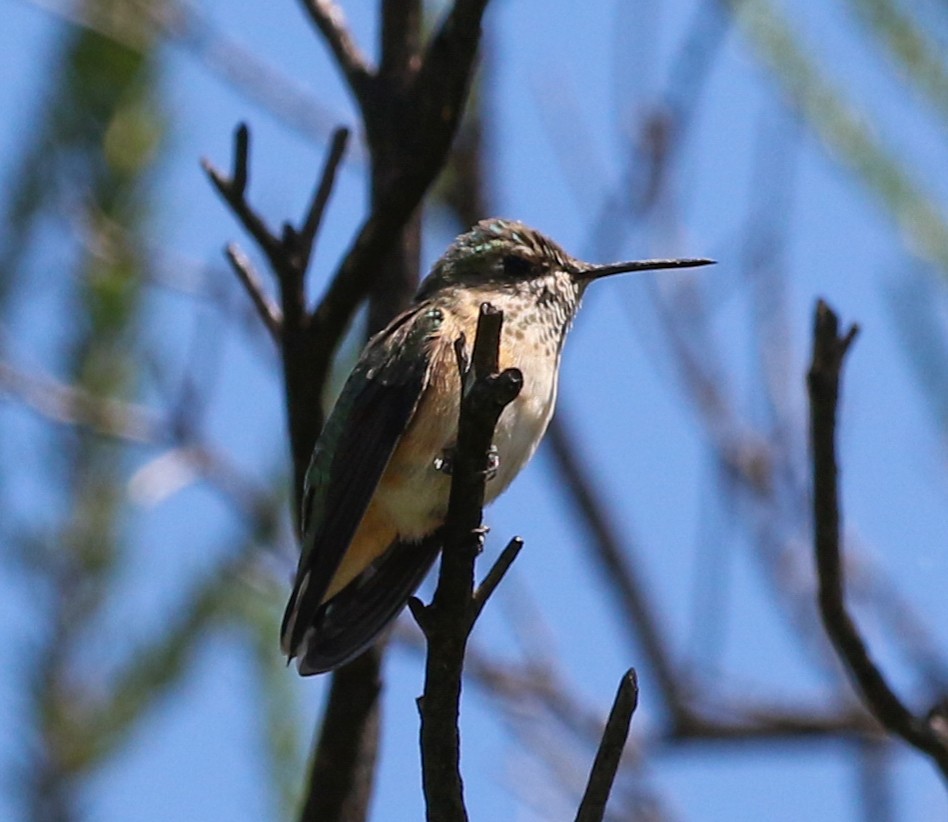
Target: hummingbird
{"x":377,"y":487}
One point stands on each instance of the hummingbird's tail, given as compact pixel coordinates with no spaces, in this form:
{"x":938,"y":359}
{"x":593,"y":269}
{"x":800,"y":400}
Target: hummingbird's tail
{"x":351,"y":620}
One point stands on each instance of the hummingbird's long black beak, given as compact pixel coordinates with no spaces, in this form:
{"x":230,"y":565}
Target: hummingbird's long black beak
{"x":595,"y":272}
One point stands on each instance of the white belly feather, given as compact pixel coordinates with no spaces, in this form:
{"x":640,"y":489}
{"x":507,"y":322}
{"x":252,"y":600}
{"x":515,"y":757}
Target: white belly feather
{"x":418,"y":504}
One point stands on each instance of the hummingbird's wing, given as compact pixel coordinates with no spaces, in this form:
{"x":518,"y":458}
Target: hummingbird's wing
{"x":363,"y":430}
{"x":351,"y":620}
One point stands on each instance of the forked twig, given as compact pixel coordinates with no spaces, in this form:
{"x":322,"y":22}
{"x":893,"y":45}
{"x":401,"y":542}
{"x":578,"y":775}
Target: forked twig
{"x":829,"y":352}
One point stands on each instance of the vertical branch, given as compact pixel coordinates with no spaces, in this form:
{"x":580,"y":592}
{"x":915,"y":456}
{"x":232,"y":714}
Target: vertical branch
{"x":344,"y":757}
{"x":396,"y":279}
{"x":447,"y":622}
{"x":640,"y":616}
{"x":829,"y":351}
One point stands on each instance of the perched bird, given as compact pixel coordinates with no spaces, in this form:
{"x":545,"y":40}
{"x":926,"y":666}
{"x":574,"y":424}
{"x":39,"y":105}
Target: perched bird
{"x":379,"y":479}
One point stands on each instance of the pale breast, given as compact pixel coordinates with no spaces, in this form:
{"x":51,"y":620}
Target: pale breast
{"x":413,"y":491}
{"x":524,"y":422}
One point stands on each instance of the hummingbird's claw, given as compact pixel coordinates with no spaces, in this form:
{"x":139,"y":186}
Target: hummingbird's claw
{"x":445,"y":463}
{"x":493,"y":462}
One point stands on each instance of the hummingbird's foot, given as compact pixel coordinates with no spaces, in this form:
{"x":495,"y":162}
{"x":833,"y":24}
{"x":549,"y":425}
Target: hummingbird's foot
{"x":445,"y":463}
{"x":493,"y":462}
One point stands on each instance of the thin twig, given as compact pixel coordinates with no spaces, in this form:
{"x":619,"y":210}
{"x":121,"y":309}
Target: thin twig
{"x":267,"y":310}
{"x":239,"y":176}
{"x":496,"y":574}
{"x":603,"y":773}
{"x":829,"y":351}
{"x":233,"y":190}
{"x":317,"y":206}
{"x":330,"y":21}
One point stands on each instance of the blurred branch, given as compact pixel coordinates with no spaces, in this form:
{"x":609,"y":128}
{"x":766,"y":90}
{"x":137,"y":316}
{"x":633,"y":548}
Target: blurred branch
{"x":829,"y":351}
{"x":267,"y":310}
{"x":78,"y":538}
{"x":183,"y":461}
{"x":329,"y":20}
{"x":875,"y":781}
{"x":758,"y":462}
{"x":280,"y":726}
{"x":448,"y":621}
{"x":535,"y":693}
{"x":612,"y":556}
{"x":75,"y":405}
{"x":91,"y":731}
{"x":339,"y":783}
{"x":921,"y":58}
{"x":136,"y":23}
{"x":844,"y":131}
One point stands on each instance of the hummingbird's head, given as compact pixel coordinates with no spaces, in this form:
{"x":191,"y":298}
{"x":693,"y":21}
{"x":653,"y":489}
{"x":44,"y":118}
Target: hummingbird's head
{"x":499,"y":254}
{"x":511,"y":257}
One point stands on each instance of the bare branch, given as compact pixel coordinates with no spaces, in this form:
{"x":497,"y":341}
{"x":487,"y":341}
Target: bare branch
{"x":331,"y":22}
{"x":496,"y":574}
{"x":829,"y":351}
{"x":267,"y":310}
{"x":593,"y":806}
{"x":317,"y":206}
{"x":305,"y":359}
{"x":344,"y":756}
{"x":234,"y":188}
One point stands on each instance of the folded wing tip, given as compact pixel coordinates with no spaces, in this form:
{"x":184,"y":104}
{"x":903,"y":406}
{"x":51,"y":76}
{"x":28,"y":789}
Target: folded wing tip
{"x":352,"y":621}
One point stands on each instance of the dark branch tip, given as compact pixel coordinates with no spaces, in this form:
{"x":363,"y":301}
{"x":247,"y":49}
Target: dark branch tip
{"x":241,"y":156}
{"x":629,"y":686}
{"x":489,"y":310}
{"x":506,"y":385}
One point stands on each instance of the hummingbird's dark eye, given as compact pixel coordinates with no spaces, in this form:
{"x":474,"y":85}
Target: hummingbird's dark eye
{"x":516,"y":266}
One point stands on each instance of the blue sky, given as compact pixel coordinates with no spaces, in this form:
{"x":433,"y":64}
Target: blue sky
{"x":561,"y":83}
